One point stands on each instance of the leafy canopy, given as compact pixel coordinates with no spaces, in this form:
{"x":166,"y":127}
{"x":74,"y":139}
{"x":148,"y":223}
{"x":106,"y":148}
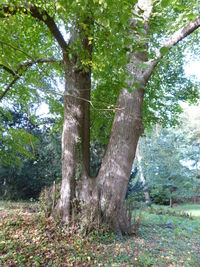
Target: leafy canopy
{"x":106,"y":25}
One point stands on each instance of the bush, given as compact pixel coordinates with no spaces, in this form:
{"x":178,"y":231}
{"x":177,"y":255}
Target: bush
{"x":160,"y":195}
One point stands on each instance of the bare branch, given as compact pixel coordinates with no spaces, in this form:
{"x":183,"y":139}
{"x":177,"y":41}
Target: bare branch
{"x":175,"y":38}
{"x":28,"y":63}
{"x":22,"y":68}
{"x":110,"y":108}
{"x":41,"y":15}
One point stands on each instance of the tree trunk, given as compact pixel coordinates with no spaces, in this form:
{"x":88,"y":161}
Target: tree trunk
{"x":170,"y":202}
{"x":103,"y":196}
{"x":116,"y":166}
{"x":127,"y":127}
{"x":75,"y":137}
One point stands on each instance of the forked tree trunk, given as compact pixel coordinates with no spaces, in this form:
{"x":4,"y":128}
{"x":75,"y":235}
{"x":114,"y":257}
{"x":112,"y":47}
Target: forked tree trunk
{"x":103,"y":196}
{"x":106,"y":192}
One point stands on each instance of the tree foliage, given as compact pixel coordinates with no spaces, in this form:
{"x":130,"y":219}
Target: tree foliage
{"x":32,"y":160}
{"x":105,"y":33}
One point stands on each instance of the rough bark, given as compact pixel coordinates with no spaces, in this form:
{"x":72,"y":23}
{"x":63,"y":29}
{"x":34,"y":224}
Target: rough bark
{"x":76,"y":130}
{"x":116,"y":166}
{"x":105,"y":194}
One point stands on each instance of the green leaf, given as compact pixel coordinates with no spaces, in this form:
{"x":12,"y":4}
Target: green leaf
{"x":44,"y":17}
{"x":165,"y":3}
{"x":164,"y":50}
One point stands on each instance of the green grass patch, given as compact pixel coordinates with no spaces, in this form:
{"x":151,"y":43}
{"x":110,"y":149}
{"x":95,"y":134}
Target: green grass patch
{"x":192,"y":209}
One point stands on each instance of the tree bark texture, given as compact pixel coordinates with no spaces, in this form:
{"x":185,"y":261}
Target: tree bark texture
{"x":116,"y":166}
{"x":75,"y":137}
{"x":127,"y":127}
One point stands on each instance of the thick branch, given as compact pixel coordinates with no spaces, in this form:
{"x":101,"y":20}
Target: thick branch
{"x":182,"y":33}
{"x":175,"y":38}
{"x":22,"y":68}
{"x":42,"y":15}
{"x":27,"y":63}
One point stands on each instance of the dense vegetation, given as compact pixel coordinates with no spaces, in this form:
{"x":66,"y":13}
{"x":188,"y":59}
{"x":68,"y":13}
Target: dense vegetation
{"x":31,"y":163}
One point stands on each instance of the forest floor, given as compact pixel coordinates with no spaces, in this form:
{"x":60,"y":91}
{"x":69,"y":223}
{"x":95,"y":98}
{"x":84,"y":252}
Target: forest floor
{"x":163,"y":237}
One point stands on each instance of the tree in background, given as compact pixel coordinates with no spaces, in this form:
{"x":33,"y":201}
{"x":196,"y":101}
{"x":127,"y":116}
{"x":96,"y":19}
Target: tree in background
{"x":23,"y":175}
{"x":189,"y":135}
{"x":170,"y":160}
{"x":113,"y":48}
{"x":15,"y":140}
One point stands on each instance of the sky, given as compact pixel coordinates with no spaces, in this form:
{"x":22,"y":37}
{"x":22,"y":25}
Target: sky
{"x":193,"y":69}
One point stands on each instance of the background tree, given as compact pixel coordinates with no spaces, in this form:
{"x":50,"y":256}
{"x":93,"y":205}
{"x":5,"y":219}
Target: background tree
{"x":168,"y":161}
{"x":23,"y":175}
{"x":189,"y":135}
{"x":15,"y":141}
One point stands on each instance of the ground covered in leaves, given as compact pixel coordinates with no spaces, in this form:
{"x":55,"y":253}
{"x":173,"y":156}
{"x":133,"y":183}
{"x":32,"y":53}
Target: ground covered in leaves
{"x":163,"y":237}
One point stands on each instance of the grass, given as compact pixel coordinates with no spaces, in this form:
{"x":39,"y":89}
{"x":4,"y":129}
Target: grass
{"x":28,"y":239}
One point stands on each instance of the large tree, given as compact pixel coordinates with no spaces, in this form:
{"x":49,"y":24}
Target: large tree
{"x":108,"y":50}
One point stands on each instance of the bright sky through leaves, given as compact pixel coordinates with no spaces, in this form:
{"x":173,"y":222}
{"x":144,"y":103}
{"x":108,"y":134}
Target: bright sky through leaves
{"x":193,"y":69}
